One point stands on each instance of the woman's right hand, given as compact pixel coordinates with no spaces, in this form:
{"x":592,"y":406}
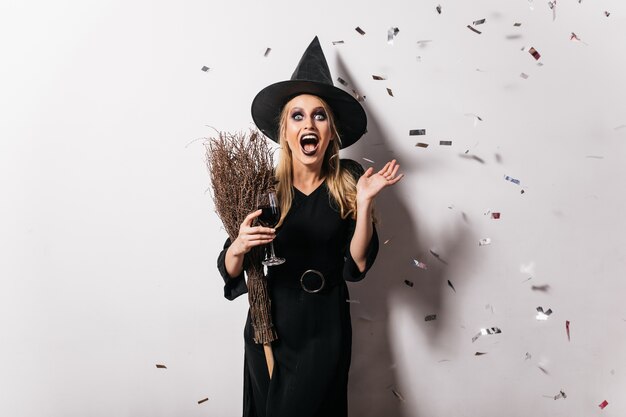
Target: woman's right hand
{"x":251,"y":236}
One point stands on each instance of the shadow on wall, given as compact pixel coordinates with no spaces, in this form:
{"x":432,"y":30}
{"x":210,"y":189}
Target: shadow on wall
{"x":373,"y":375}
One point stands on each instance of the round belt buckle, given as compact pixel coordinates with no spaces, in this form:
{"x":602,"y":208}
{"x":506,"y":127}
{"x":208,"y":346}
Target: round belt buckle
{"x":310,"y":273}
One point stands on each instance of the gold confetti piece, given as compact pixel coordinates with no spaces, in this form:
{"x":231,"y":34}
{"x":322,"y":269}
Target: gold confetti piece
{"x":337,"y":42}
{"x":161,"y":366}
{"x":534,"y":53}
{"x":478,"y":22}
{"x":409,"y":283}
{"x":205,"y":68}
{"x":430,"y":317}
{"x":390,"y":92}
{"x":480,"y":353}
{"x":422,"y":144}
{"x":358,"y":29}
{"x":417,"y":132}
{"x":378,"y":77}
{"x":203,"y":400}
{"x":267,"y":52}
{"x":445,"y":142}
{"x":474,"y":29}
{"x":369,"y":160}
{"x":517,"y":24}
{"x":342,"y":81}
{"x":438,"y":8}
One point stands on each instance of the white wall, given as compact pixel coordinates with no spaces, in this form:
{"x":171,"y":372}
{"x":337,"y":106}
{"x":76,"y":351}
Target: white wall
{"x":109,"y":239}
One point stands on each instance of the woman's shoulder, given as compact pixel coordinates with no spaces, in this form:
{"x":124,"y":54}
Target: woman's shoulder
{"x":352,"y":166}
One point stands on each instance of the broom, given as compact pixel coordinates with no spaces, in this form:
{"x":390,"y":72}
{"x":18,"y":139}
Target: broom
{"x":241,"y":168}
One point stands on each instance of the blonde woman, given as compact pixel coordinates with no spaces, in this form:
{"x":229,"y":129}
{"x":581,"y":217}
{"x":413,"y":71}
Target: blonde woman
{"x":326,"y":234}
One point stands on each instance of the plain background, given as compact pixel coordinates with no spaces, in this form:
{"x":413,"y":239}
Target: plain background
{"x":109,"y":238}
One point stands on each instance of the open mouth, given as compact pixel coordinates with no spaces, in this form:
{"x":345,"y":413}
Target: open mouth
{"x":309,"y":143}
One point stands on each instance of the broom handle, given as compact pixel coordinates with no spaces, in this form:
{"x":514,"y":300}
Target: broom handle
{"x":269,"y":357}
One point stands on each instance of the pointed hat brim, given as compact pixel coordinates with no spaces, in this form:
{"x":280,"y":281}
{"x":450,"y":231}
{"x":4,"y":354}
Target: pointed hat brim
{"x":350,"y":117}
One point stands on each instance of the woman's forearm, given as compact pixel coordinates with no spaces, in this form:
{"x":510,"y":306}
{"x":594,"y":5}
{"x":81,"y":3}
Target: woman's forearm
{"x":363,"y":232}
{"x":233,"y":261}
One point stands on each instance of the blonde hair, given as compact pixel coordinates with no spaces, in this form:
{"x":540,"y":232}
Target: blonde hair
{"x":340,"y":181}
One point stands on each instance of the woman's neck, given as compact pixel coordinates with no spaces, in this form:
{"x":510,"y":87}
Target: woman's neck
{"x":306,"y":179}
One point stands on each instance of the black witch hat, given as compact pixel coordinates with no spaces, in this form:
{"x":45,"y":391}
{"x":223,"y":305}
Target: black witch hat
{"x":311,"y":76}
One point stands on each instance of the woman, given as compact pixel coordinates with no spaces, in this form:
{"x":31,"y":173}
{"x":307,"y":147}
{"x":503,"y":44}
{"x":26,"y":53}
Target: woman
{"x":326,"y":234}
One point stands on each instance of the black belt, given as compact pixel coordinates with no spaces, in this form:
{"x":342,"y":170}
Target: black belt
{"x":311,"y":281}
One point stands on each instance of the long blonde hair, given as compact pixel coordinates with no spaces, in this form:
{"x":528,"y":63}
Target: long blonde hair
{"x":340,"y":181}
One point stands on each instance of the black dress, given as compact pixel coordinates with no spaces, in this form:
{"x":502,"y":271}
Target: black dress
{"x":313,"y":350}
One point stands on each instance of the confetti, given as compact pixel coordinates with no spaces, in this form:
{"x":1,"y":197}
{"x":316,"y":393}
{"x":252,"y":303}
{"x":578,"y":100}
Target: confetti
{"x":438,"y":8}
{"x":473,"y":29}
{"x":451,"y":286}
{"x":358,"y":29}
{"x":358,"y":96}
{"x":422,"y":144}
{"x":419,"y":264}
{"x":528,"y":356}
{"x":397,"y":394}
{"x":342,"y":81}
{"x":542,"y":369}
{"x":445,"y":142}
{"x":534,"y":53}
{"x":203,"y":400}
{"x":542,"y":288}
{"x":430,"y":317}
{"x":436,"y":255}
{"x":561,"y":394}
{"x":379,"y":77}
{"x":409,"y":283}
{"x":495,"y":215}
{"x":386,"y":241}
{"x":543,"y":315}
{"x":480,"y":353}
{"x":485,"y":241}
{"x":491,"y":330}
{"x":527,"y":268}
{"x":524,"y":75}
{"x":513,"y":180}
{"x":478,"y":22}
{"x":267,"y":52}
{"x":552,"y":5}
{"x":391,"y":34}
{"x":369,"y":160}
{"x":567,"y":329}
{"x":573,"y":36}
{"x":424,"y":42}
{"x":603,"y":404}
{"x":390,"y":92}
{"x":517,"y":24}
{"x":417,"y":132}
{"x":161,"y":366}
{"x":337,"y":42}
{"x":205,"y":68}
{"x":607,"y":14}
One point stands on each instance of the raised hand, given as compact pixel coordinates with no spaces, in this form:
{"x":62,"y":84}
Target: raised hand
{"x":370,"y":183}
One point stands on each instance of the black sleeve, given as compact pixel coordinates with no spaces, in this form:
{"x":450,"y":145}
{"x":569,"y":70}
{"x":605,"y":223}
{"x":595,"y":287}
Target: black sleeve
{"x":233,"y":287}
{"x":351,"y":270}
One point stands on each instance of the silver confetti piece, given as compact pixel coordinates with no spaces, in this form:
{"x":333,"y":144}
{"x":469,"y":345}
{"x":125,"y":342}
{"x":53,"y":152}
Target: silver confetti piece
{"x":491,"y":330}
{"x":524,"y":76}
{"x":517,"y":24}
{"x":478,"y":22}
{"x":203,"y":400}
{"x":541,"y":315}
{"x":353,"y":301}
{"x":342,"y":81}
{"x":397,"y":394}
{"x":379,"y":77}
{"x":484,"y":241}
{"x":361,"y":31}
{"x":561,"y":394}
{"x":438,"y":8}
{"x":419,"y":264}
{"x":474,"y":29}
{"x":267,"y":52}
{"x":430,"y":317}
{"x":205,"y":68}
{"x":417,"y":132}
{"x":390,"y":92}
{"x":391,"y":34}
{"x":368,"y":160}
{"x":408,"y":283}
{"x":445,"y":142}
{"x":511,"y":179}
{"x":337,"y":42}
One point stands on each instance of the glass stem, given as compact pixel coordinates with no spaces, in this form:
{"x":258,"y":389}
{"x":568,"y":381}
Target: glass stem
{"x":272,"y":254}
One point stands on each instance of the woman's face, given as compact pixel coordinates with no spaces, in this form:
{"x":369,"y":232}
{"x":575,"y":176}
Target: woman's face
{"x":308,"y":130}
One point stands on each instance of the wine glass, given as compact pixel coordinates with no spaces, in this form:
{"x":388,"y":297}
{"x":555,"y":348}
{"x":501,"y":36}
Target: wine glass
{"x":270,"y":215}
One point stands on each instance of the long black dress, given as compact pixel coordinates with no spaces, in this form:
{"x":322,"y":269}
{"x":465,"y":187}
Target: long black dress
{"x":313,"y":350}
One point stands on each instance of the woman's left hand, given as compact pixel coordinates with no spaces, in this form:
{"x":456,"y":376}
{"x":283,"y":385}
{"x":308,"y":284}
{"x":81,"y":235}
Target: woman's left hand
{"x":370,"y":183}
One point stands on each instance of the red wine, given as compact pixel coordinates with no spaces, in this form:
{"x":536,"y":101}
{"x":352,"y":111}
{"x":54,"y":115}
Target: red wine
{"x":269,"y":216}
